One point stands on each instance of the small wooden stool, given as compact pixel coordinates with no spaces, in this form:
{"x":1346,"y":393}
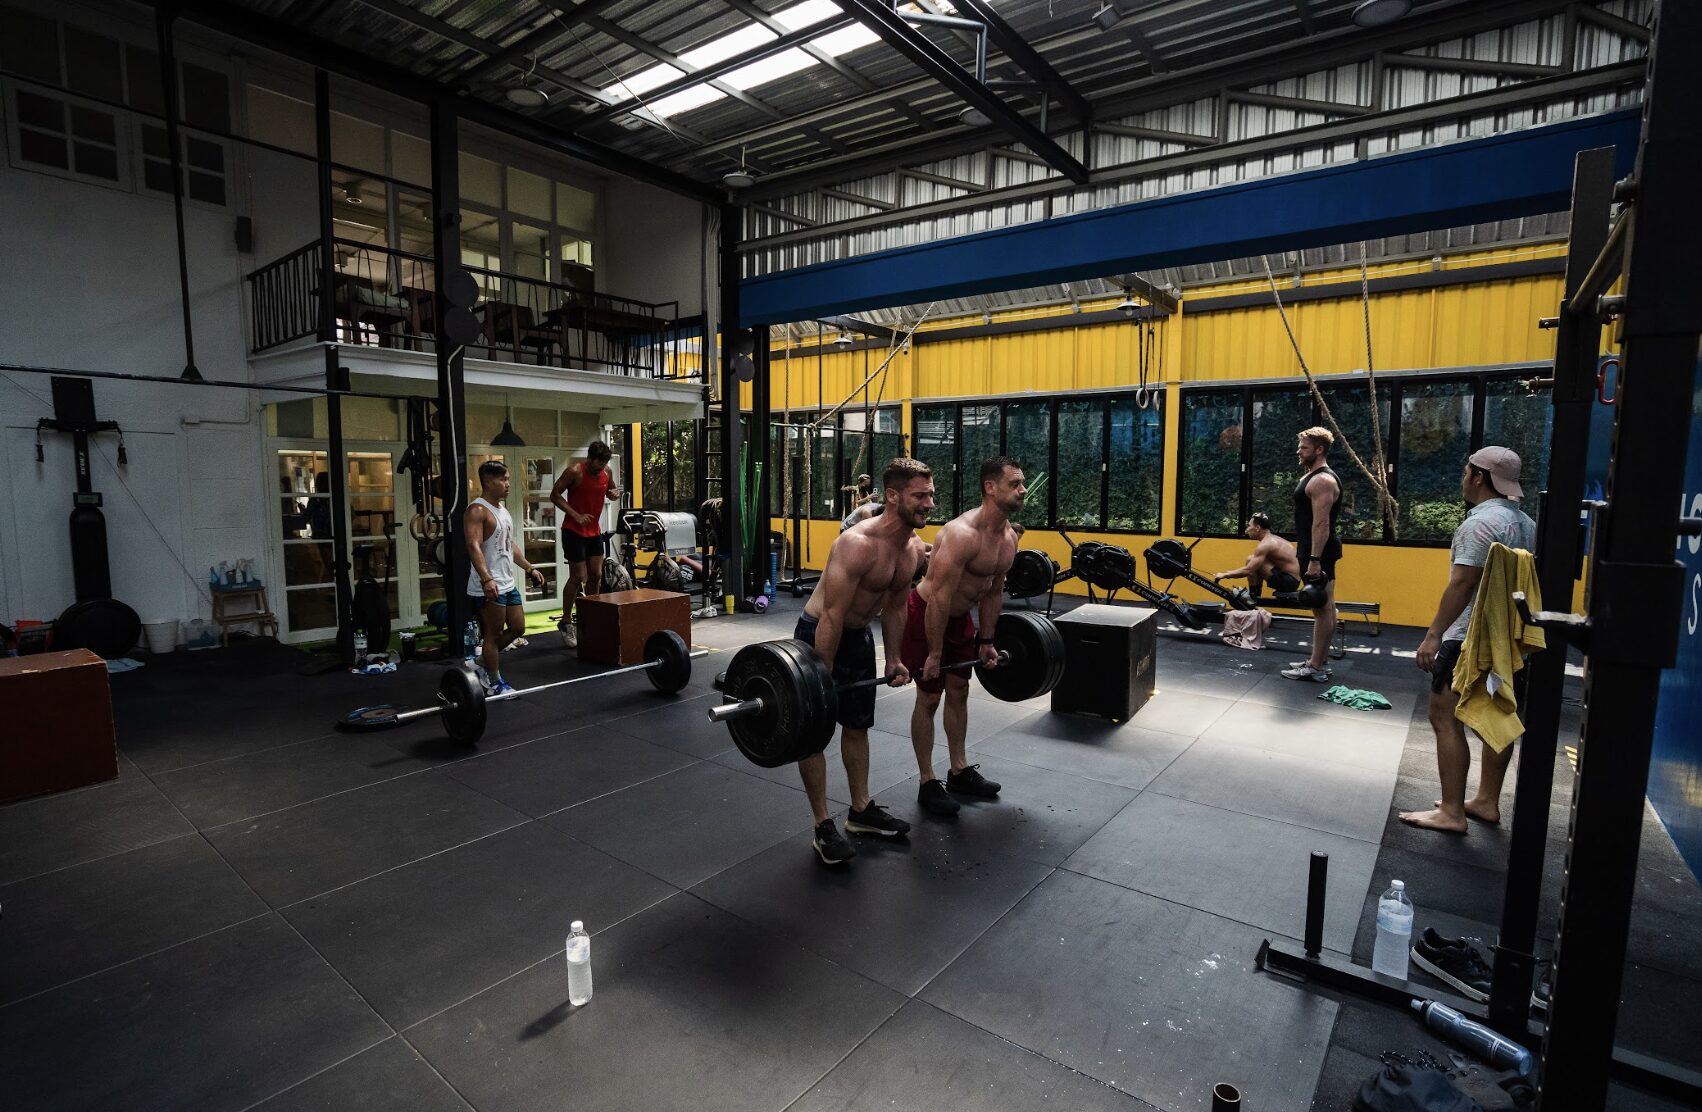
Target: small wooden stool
{"x":257,"y":614}
{"x":613,"y":626}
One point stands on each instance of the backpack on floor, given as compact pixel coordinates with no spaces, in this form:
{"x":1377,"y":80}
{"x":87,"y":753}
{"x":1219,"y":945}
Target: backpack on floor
{"x":1403,"y":1089}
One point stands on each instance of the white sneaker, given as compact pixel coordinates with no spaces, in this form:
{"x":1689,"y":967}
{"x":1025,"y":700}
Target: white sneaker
{"x":1308,"y":664}
{"x":1305,"y":671}
{"x":569,"y":636}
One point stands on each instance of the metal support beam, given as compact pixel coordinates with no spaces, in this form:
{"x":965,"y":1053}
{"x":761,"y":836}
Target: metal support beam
{"x":731,"y":542}
{"x":1297,"y":104}
{"x":1589,"y":13}
{"x":538,"y":41}
{"x":858,"y":325}
{"x":939,"y":65}
{"x":942,"y":179}
{"x":163,"y":17}
{"x":859,"y":199}
{"x":451,"y":363}
{"x":1135,"y":131}
{"x":1156,"y":296}
{"x":1489,"y":66}
{"x":1137,"y":39}
{"x":336,"y":467}
{"x":782,"y":214}
{"x":1017,"y":49}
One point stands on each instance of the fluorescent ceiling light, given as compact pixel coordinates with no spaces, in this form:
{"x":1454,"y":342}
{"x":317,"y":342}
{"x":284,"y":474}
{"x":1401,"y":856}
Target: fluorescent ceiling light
{"x":1379,"y":13}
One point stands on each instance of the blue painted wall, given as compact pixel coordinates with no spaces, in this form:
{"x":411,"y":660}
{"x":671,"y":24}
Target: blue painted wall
{"x":1675,"y":777}
{"x":1521,"y":173}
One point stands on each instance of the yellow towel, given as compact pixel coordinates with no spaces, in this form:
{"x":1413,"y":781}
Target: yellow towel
{"x":1497,"y":640}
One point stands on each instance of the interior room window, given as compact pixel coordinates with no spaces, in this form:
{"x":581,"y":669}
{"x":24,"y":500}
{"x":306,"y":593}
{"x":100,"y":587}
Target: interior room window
{"x":92,"y":65}
{"x":1081,"y":461}
{"x":1522,"y":420}
{"x":936,"y":445}
{"x":281,"y":121}
{"x":481,"y":180}
{"x":67,"y":135}
{"x":1351,"y":405}
{"x":1436,"y":438}
{"x":1135,"y":464}
{"x":825,"y":496}
{"x":30,"y":46}
{"x":1211,"y":463}
{"x":576,"y":208}
{"x":1277,"y":416}
{"x":980,"y":440}
{"x":1028,"y":440}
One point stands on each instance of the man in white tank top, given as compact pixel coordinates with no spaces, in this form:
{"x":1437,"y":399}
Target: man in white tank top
{"x":492,"y":549}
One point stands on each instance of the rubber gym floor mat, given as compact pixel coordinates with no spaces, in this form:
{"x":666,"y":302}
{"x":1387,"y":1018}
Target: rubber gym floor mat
{"x":57,"y":831}
{"x":891,"y":759}
{"x":682,"y":725}
{"x":1129,"y":756}
{"x":218,"y":1022}
{"x":663,"y":826}
{"x":1157,"y":999}
{"x":1252,"y":870}
{"x":926,"y":1060}
{"x":123,"y":907}
{"x":546,"y":775}
{"x":1329,"y":796}
{"x":1180,"y":712}
{"x":1310,"y":737}
{"x":415,"y":940}
{"x":302,"y":851}
{"x":389,"y":1075}
{"x":693,"y":1008}
{"x":898,"y":914}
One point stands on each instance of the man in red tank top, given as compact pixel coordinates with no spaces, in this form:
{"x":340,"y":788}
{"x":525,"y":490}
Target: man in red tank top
{"x":580,"y":493}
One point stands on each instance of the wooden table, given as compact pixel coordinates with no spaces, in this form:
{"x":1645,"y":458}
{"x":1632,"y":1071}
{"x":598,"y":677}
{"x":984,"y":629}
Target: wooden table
{"x":614,"y":626}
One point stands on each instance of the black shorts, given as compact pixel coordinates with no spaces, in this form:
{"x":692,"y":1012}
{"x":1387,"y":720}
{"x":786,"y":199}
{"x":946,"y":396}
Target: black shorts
{"x":1326,"y":559}
{"x":1448,"y":658}
{"x":1282,"y":583}
{"x":854,"y":661}
{"x":577,"y":549}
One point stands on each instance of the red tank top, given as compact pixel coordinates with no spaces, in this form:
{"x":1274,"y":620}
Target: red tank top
{"x":587,"y":497}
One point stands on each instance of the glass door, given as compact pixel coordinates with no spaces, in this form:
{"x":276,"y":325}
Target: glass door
{"x":538,"y":523}
{"x":309,"y":601}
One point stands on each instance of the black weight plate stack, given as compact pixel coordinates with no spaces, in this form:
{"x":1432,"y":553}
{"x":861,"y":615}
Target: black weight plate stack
{"x":1168,"y":559}
{"x":1031,"y":574}
{"x":463,"y":705}
{"x":799,"y":702}
{"x":367,"y":719}
{"x":669,"y":652}
{"x":1036,"y":661}
{"x":104,"y":626}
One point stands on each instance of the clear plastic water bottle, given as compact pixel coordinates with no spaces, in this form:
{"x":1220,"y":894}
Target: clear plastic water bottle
{"x":1502,"y":1053}
{"x":1394,"y":932}
{"x":578,"y":965}
{"x":360,"y":645}
{"x":470,"y":641}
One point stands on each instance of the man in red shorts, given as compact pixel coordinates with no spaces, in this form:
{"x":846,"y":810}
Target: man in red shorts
{"x":966,"y":572}
{"x":579,"y":493}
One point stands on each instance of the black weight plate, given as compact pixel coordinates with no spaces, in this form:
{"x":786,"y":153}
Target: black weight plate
{"x":367,"y":719}
{"x":1031,"y":574}
{"x":463,"y":705}
{"x":104,"y":626}
{"x":798,"y":698}
{"x":1035,"y":649}
{"x":460,"y":289}
{"x":1168,"y":559}
{"x":669,"y":652}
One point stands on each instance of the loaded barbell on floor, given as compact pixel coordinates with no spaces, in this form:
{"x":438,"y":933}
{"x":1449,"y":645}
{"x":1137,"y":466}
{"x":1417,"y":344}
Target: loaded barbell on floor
{"x":784,"y":703}
{"x":463,"y":704}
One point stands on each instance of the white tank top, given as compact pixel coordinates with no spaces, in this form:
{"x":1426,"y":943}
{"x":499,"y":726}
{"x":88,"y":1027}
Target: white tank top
{"x":498,"y":549}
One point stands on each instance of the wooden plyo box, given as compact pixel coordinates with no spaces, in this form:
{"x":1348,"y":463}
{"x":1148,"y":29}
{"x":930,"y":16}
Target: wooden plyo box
{"x":59,"y":731}
{"x":614,"y":626}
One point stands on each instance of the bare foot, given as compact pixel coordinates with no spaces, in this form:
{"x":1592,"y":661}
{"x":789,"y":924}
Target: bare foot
{"x":1482,"y":812}
{"x":1434,"y":820}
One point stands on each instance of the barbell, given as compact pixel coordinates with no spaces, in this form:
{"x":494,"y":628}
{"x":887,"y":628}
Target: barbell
{"x":783,"y":704}
{"x":463,"y":704}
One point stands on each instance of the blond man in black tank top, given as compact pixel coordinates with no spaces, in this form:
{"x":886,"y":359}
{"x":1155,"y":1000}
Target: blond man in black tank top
{"x":1317,"y":504}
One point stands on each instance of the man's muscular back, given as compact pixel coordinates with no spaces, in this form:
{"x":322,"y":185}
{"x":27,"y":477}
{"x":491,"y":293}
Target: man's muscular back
{"x":969,"y":559}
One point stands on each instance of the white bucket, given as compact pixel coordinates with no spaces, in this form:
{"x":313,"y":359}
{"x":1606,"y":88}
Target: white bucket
{"x":161,"y":636}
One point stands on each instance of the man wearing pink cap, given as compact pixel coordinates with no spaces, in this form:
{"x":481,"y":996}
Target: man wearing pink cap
{"x":1490,"y":487}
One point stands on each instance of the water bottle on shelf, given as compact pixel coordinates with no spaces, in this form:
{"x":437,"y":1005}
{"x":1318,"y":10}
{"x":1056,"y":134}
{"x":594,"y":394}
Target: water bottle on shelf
{"x":578,"y":965}
{"x":773,"y":575}
{"x":1394,"y":932}
{"x":360,"y":646}
{"x":1499,"y":1052}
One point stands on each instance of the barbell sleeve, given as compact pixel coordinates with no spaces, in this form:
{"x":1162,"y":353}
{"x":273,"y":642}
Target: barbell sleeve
{"x":645,"y":667}
{"x":744,"y":708}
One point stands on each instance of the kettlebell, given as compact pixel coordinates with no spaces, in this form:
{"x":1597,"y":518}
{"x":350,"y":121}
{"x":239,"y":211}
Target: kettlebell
{"x":1313,"y":594}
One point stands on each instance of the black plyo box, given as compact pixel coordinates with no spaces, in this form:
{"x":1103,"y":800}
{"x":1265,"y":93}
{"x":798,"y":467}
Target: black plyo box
{"x":1110,"y":661}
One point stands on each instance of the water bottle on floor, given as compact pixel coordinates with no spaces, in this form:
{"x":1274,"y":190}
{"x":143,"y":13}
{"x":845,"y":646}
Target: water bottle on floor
{"x":578,"y":965}
{"x":1499,"y":1052}
{"x":1394,"y":932}
{"x":470,"y":641}
{"x":360,"y":646}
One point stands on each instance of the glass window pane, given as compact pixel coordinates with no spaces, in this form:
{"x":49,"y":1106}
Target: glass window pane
{"x":1211,"y":463}
{"x":1278,"y":415}
{"x":481,"y":180}
{"x":94,"y":125}
{"x":410,"y":158}
{"x":685,"y":466}
{"x":653,"y":437}
{"x":980,"y":433}
{"x":1436,"y":438}
{"x":528,"y":194}
{"x":307,"y":563}
{"x":46,"y":113}
{"x":44,"y":150}
{"x":936,"y":446}
{"x":91,"y":64}
{"x":274,"y":118}
{"x":204,"y":154}
{"x":142,"y":69}
{"x":824,"y":481}
{"x":1516,"y":418}
{"x":575,"y":208}
{"x":206,"y":97}
{"x":311,"y":608}
{"x":855,"y":461}
{"x":1081,"y":457}
{"x":30,"y":45}
{"x":1028,"y":440}
{"x":1136,"y":465}
{"x":531,"y":254}
{"x":204,"y":187}
{"x":1351,"y":405}
{"x":357,"y":143}
{"x":97,"y":162}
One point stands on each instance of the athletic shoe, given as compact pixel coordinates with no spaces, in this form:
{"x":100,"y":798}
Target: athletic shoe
{"x":831,"y":845}
{"x":482,"y":676}
{"x":517,"y":643}
{"x":874,"y":819}
{"x":500,"y":687}
{"x":934,"y":800}
{"x":1453,"y":961}
{"x":1307,"y":664}
{"x":569,"y":635}
{"x":1545,"y":982}
{"x":969,"y":781}
{"x":1305,"y":671}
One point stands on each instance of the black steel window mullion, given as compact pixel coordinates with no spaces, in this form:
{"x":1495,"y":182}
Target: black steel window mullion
{"x":1104,"y":463}
{"x":957,"y":460}
{"x":1392,"y":450}
{"x":1246,"y":453}
{"x":1052,"y":466}
{"x":1480,"y":403}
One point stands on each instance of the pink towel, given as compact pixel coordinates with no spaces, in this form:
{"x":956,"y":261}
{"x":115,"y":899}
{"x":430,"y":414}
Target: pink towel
{"x":1245,"y":629}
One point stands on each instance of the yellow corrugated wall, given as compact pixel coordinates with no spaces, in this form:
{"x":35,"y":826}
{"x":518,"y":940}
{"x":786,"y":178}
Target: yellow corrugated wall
{"x":1470,"y":325}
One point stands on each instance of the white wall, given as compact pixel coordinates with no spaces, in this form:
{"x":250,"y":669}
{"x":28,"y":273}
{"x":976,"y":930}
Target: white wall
{"x":91,"y":283}
{"x":652,"y":247}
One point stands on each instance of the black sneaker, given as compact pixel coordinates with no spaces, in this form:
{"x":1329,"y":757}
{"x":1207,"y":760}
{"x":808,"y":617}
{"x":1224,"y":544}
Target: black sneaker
{"x":1545,"y":981}
{"x":933,"y":798}
{"x":831,"y":845}
{"x":969,"y":781}
{"x":874,"y":819}
{"x":1454,"y":961}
